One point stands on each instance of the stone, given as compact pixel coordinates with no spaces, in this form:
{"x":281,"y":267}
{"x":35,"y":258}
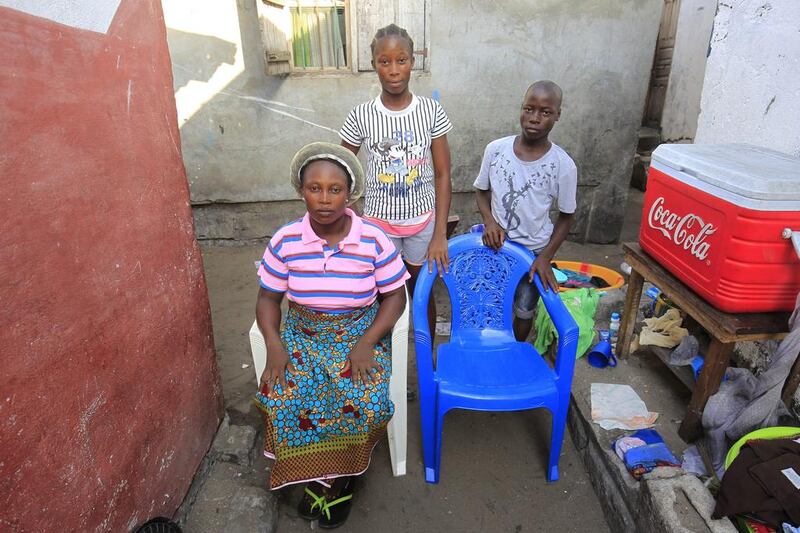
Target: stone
{"x":664,"y":472}
{"x":795,"y":407}
{"x":679,"y":503}
{"x":754,"y":355}
{"x":230,"y":502}
{"x":234,"y":443}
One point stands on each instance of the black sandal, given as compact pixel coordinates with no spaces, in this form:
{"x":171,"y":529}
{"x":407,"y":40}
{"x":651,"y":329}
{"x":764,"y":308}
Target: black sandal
{"x":311,"y":505}
{"x":335,"y":512}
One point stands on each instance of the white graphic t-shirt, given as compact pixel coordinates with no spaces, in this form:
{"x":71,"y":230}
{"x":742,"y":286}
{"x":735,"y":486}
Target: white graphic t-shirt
{"x":524,"y":191}
{"x":398,"y":147}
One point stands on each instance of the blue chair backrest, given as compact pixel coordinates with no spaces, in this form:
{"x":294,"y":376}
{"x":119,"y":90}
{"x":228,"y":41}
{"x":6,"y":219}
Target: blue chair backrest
{"x":481,"y":285}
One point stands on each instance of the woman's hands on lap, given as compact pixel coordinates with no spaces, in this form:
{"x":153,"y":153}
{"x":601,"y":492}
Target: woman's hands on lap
{"x":277,"y":366}
{"x":362,"y":364}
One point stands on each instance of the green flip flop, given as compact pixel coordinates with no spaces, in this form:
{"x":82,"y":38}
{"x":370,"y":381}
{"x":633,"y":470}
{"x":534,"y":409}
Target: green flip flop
{"x":335,"y":512}
{"x":311,"y":505}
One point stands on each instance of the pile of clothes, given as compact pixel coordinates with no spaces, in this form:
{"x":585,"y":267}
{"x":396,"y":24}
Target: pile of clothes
{"x":576,"y":280}
{"x":763,"y":482}
{"x":643,"y":451}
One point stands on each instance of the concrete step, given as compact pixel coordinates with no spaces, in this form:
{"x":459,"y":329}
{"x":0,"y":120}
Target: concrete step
{"x":641,"y":165}
{"x":665,"y":500}
{"x":649,"y":138}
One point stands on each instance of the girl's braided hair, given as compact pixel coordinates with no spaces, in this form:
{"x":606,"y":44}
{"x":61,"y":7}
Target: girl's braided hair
{"x":392,"y":30}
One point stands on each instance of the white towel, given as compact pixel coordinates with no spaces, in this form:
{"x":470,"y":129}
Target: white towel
{"x":618,"y":406}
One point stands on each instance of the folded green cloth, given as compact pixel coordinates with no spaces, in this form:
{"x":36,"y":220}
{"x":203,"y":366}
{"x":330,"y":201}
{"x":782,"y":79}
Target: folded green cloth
{"x":582,"y":304}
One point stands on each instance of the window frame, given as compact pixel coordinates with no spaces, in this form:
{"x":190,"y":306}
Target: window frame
{"x":348,"y":47}
{"x":277,"y":36}
{"x":281,"y":60}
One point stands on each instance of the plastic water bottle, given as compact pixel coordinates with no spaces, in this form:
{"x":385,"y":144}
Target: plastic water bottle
{"x":613,"y":329}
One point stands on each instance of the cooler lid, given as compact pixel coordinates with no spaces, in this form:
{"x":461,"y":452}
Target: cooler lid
{"x":743,"y":169}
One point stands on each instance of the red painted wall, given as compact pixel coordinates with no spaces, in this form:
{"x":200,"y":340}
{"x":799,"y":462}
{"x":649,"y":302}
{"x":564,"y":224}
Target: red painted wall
{"x":109,"y":392}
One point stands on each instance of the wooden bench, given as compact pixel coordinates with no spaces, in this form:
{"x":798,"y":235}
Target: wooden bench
{"x":725,"y":329}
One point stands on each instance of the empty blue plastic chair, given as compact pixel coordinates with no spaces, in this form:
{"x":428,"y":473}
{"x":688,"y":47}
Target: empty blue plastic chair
{"x":483,"y":367}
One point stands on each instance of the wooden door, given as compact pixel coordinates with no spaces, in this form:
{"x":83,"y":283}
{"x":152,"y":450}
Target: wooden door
{"x":662,"y":62}
{"x":409,"y":14}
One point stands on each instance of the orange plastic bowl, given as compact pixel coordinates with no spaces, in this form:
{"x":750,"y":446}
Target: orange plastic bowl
{"x":613,"y":278}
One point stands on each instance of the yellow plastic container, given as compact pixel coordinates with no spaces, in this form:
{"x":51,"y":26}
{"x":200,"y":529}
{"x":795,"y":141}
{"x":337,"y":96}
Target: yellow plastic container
{"x":613,"y":278}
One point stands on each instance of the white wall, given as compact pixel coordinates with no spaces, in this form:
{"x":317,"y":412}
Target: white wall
{"x":682,"y":101}
{"x":751,"y":91}
{"x":94,"y":15}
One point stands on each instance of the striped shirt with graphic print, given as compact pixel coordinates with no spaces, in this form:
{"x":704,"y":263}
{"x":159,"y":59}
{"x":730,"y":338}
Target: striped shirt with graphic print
{"x":339,"y":279}
{"x":400,"y":175}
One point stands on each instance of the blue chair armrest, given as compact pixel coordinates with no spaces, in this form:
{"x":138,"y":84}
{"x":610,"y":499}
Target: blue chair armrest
{"x":565,"y":326}
{"x":423,"y":343}
{"x":424,"y":354}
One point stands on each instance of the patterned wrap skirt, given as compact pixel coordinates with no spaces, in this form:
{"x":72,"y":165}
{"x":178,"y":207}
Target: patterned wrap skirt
{"x":322,"y":426}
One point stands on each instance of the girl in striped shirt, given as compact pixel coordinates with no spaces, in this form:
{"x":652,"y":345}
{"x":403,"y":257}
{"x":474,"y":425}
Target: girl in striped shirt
{"x":408,"y":159}
{"x":325,"y":390}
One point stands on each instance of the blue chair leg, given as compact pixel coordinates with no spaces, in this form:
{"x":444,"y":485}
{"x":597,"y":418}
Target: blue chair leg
{"x":432,"y":475}
{"x":427,"y":407}
{"x":559,"y":417}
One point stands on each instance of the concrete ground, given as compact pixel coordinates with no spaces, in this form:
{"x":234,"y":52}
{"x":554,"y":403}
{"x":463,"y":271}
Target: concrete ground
{"x":493,"y":471}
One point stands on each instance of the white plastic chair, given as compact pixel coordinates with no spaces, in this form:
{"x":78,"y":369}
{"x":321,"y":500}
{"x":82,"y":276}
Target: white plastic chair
{"x":398,"y":425}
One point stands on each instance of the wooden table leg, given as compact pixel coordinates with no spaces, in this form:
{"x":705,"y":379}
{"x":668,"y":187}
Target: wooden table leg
{"x":716,"y":361}
{"x":632,"y":298}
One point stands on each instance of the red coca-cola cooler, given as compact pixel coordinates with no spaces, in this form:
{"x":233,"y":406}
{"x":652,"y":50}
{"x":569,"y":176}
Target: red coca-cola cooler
{"x":725,"y":219}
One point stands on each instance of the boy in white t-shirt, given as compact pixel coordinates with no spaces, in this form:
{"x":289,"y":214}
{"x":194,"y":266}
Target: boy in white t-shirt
{"x":520,"y":178}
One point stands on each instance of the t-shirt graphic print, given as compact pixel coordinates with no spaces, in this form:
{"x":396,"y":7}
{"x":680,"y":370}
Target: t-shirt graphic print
{"x":400,"y":177}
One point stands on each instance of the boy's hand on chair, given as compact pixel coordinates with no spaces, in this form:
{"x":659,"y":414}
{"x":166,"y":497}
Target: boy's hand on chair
{"x":493,"y":235}
{"x":277,"y":366}
{"x":542,"y":267}
{"x":437,"y":255}
{"x":362,"y":364}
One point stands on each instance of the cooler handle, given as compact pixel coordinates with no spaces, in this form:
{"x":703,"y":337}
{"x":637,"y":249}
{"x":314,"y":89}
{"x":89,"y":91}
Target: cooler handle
{"x":794,"y":236}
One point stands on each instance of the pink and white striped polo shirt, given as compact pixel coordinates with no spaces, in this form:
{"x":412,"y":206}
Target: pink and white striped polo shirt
{"x":346,"y":277}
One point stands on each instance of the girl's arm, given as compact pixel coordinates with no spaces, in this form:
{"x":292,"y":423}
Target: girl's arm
{"x":353,"y":148}
{"x":437,"y":249}
{"x":268,"y":316}
{"x":361,"y":361}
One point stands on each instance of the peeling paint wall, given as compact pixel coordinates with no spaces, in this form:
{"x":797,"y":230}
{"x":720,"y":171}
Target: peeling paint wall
{"x":109,"y":393}
{"x":240,"y":127}
{"x":682,"y":101}
{"x":751,"y":91}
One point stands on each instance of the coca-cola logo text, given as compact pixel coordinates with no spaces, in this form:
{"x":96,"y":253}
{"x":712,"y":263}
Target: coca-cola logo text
{"x":687,"y":231}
